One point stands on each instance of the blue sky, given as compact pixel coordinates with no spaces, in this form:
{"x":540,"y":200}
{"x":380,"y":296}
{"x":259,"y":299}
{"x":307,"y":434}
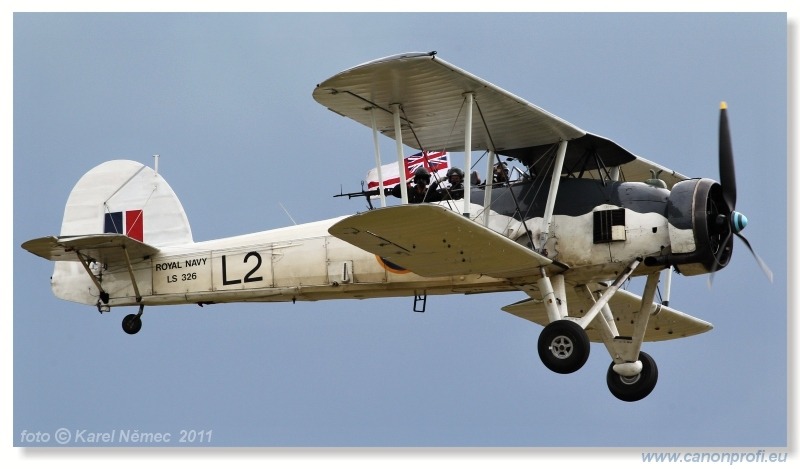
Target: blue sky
{"x":225,"y":99}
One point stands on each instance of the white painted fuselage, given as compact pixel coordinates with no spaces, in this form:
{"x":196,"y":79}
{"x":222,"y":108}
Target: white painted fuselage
{"x":306,"y":263}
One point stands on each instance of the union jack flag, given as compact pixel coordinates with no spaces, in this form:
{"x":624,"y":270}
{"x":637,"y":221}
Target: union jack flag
{"x":434,"y":161}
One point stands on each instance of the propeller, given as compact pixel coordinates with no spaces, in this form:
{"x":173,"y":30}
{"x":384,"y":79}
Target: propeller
{"x":727,"y":219}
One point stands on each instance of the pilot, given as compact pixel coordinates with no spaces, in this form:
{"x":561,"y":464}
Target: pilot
{"x":500,"y":173}
{"x":421,"y":191}
{"x":455,"y":177}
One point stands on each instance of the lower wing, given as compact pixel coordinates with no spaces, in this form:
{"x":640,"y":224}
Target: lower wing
{"x":432,"y":241}
{"x":664,"y":323}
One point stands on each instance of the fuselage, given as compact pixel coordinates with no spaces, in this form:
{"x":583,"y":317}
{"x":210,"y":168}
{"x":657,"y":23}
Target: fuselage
{"x":597,"y":229}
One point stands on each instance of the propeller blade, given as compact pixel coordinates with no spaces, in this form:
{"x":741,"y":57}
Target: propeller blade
{"x":727,"y":179}
{"x":760,"y":261}
{"x":727,"y":174}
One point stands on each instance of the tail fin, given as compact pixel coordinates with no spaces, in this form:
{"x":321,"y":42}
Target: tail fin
{"x":129,"y":198}
{"x":123,"y":197}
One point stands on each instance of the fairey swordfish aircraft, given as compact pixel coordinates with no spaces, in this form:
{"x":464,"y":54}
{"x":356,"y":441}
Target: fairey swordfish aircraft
{"x":585,"y":216}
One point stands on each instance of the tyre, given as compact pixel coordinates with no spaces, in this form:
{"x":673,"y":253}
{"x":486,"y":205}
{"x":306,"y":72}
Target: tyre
{"x":132,"y":324}
{"x":631,"y":389}
{"x":563,"y":346}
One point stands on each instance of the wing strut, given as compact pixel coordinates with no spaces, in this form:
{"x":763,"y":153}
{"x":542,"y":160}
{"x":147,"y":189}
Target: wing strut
{"x":487,"y":197}
{"x":398,"y":132}
{"x":378,"y":162}
{"x":551,"y":196}
{"x":468,"y":153}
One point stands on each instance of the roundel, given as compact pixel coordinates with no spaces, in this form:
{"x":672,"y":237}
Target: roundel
{"x":391,"y":266}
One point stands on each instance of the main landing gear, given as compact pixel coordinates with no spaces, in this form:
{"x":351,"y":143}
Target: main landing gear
{"x":132,"y":323}
{"x":564,"y":348}
{"x":564,"y":345}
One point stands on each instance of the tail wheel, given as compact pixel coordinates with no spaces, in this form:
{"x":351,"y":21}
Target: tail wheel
{"x":563,"y":346}
{"x":132,"y":323}
{"x":634,"y":388}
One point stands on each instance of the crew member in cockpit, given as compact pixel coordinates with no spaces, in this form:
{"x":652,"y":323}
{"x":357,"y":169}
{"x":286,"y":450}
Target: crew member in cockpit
{"x":421,"y":191}
{"x":455,"y":177}
{"x":500,"y":173}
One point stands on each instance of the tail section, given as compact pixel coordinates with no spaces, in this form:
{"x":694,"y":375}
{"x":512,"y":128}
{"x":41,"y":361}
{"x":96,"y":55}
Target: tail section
{"x":123,"y":197}
{"x":129,"y":198}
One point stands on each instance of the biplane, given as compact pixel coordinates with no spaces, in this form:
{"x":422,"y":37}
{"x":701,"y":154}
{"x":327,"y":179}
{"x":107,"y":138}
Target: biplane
{"x":583,"y":217}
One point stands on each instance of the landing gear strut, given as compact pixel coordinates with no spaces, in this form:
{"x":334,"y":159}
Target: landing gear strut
{"x":132,"y":323}
{"x":564,"y":344}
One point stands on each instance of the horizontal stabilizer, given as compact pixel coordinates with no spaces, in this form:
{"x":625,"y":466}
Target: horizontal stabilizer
{"x":665,"y":323}
{"x":109,"y":248}
{"x":434,"y":241}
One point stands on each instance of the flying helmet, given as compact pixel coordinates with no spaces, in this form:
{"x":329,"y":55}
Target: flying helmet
{"x":455,"y":171}
{"x":422,"y":173}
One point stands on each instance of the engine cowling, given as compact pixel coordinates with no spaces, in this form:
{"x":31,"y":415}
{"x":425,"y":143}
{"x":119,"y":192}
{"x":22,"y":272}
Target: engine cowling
{"x":699,"y":230}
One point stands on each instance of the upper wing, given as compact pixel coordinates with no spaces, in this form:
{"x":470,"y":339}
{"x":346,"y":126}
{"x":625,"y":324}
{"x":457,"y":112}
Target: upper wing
{"x":432,"y":241}
{"x":592,"y":152}
{"x":431,"y":94}
{"x":110,"y":248}
{"x":664,"y":323}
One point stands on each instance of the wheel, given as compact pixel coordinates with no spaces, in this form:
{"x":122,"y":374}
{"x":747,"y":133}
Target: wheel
{"x":563,"y":346}
{"x":132,"y":323}
{"x":636,"y":387}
